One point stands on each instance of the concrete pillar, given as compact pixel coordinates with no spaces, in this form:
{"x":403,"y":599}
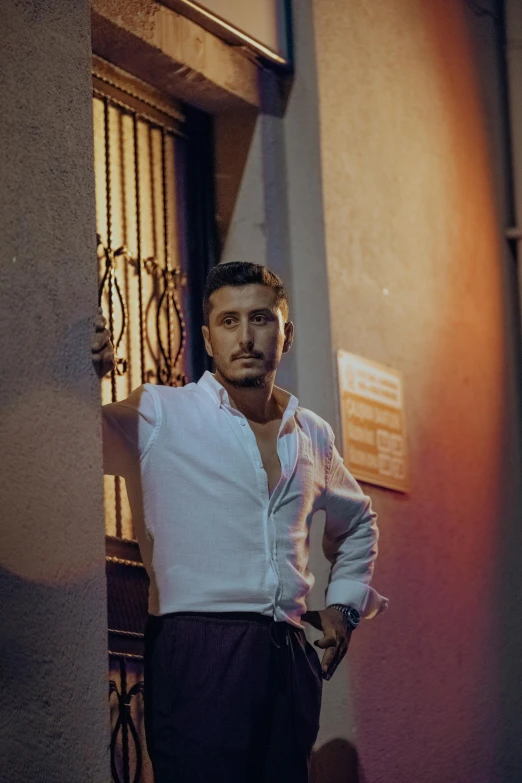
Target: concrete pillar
{"x":53,"y":650}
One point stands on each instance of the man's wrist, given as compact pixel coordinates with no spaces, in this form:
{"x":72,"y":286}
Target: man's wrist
{"x":350,"y":615}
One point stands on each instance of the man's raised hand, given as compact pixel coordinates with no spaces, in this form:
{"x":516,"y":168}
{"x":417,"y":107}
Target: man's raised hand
{"x":101,"y":347}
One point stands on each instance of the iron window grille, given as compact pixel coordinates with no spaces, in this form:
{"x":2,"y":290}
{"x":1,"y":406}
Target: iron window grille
{"x":155,"y":242}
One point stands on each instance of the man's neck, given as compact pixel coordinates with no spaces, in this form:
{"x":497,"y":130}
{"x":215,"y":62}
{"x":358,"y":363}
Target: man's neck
{"x":257,"y":404}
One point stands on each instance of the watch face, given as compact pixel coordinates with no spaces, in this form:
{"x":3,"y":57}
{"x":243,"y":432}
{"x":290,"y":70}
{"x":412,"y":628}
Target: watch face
{"x":354,"y":616}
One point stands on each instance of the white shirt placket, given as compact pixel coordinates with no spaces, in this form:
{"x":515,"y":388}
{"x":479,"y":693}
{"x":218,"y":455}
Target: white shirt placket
{"x":269,"y":501}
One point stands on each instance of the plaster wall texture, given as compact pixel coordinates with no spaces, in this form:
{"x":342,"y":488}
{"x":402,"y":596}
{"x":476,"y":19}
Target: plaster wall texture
{"x":419,"y":280}
{"x":53,"y":649}
{"x":246,"y":235}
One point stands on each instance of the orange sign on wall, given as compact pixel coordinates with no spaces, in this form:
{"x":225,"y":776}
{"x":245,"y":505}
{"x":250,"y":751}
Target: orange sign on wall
{"x":372,"y":407}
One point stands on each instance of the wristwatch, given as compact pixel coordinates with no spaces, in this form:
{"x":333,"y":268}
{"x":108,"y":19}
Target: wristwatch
{"x":351,"y":616}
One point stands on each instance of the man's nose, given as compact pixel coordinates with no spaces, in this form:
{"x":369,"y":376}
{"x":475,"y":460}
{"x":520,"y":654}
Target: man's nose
{"x":246,"y":337}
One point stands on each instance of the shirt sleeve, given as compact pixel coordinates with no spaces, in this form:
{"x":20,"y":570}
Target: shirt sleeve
{"x":129,"y":429}
{"x":350,"y":540}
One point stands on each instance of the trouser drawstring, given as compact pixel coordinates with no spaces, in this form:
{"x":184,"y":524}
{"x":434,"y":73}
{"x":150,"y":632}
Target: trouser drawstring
{"x":272,"y":636}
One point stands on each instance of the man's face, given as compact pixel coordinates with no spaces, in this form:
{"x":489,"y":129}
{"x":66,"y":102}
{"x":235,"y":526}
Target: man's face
{"x":247,"y":334}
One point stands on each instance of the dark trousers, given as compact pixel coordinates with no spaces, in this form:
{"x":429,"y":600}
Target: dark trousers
{"x":230,"y":698}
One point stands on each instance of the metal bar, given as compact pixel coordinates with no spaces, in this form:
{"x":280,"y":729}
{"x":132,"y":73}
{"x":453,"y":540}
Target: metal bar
{"x":124,"y":710}
{"x":138,"y":243}
{"x":108,"y":201}
{"x":136,"y":690}
{"x":122,"y":179}
{"x":126,"y":109}
{"x":107,"y":172}
{"x":137,"y":748}
{"x":155,"y":251}
{"x":129,"y":656}
{"x":152,"y":196}
{"x":125,"y":271}
{"x":126,"y":86}
{"x":163,"y":370}
{"x":151,"y":121}
{"x":114,"y":739}
{"x":151,"y":118}
{"x":117,"y":506}
{"x":121,"y":561}
{"x":168,"y":279}
{"x":177,"y":304}
{"x":108,"y":196}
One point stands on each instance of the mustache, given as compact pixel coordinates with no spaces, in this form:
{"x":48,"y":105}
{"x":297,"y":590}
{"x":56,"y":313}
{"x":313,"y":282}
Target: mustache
{"x":252,"y":354}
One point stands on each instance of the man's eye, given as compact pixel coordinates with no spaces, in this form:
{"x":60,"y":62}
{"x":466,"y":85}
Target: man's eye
{"x":228,"y":321}
{"x":260,"y":318}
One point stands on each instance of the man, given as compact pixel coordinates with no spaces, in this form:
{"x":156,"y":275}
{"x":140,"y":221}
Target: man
{"x":223,"y":478}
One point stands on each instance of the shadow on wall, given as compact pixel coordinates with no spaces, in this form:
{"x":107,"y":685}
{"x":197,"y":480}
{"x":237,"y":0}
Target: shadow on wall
{"x":336,"y":762}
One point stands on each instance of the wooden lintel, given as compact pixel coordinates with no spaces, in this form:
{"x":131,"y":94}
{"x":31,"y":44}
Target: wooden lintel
{"x":174,"y":54}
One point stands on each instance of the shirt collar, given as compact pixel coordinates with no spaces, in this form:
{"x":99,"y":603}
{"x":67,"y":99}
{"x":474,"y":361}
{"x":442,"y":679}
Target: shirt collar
{"x":213,"y":387}
{"x":219,"y":394}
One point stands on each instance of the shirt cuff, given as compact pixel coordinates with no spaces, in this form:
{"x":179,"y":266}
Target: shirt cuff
{"x":362,"y":597}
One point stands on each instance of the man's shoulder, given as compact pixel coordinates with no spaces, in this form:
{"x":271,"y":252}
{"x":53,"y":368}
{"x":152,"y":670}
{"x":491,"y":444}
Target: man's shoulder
{"x":172,"y":394}
{"x":313,"y":422}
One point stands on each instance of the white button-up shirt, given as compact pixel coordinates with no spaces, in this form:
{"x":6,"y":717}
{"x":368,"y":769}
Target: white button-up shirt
{"x":211,"y":536}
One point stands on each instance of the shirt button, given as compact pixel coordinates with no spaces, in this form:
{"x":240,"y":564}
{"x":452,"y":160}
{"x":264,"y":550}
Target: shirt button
{"x":242,"y":423}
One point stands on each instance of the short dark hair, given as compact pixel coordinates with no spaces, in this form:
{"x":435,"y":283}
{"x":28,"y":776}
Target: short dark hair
{"x":239,"y":273}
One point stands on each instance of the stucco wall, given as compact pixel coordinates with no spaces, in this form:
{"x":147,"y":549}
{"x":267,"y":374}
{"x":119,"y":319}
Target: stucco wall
{"x":53,"y":649}
{"x":411,"y":209}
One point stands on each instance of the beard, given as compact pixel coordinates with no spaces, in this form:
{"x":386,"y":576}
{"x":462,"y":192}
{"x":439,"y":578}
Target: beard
{"x":248,"y":381}
{"x":259,"y":379}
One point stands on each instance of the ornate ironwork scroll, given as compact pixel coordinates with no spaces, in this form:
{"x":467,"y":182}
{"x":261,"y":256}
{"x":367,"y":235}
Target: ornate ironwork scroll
{"x":126,"y":749}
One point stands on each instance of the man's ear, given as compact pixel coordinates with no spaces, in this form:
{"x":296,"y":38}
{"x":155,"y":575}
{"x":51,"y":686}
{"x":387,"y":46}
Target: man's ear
{"x":206,"y":337}
{"x":289,"y":336}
